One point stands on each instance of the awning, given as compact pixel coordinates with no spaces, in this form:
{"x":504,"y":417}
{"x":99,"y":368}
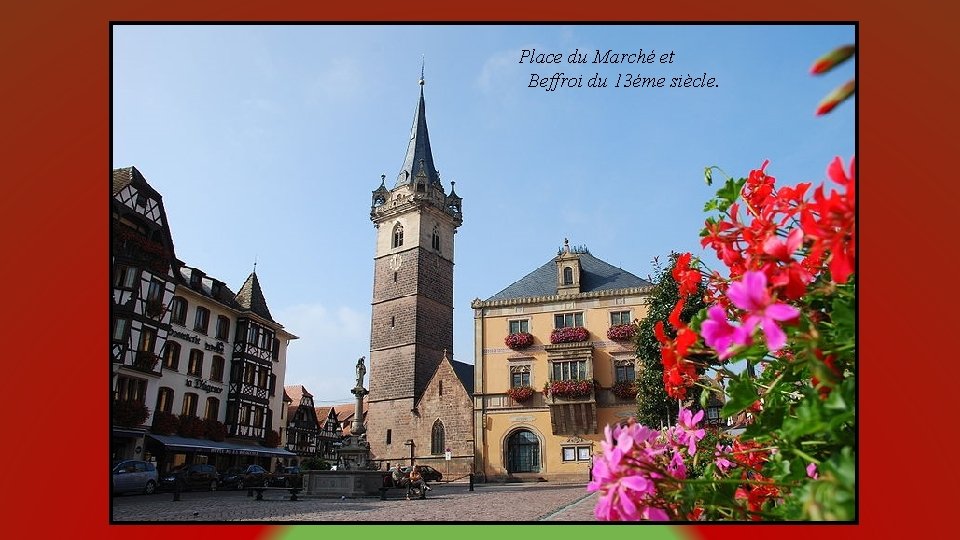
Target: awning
{"x":187,"y":444}
{"x":128,"y":432}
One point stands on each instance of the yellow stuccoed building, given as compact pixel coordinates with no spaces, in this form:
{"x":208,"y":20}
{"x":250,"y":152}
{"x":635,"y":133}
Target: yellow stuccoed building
{"x":554,"y":364}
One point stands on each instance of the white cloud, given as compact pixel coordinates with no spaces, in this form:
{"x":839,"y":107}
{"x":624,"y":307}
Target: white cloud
{"x":331,"y":341}
{"x":501,"y":72}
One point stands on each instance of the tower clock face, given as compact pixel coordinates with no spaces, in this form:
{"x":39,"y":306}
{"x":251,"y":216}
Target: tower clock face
{"x":395,"y":261}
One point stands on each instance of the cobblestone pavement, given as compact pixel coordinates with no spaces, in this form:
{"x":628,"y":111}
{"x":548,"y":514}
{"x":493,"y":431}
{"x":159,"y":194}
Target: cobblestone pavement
{"x":446,"y":502}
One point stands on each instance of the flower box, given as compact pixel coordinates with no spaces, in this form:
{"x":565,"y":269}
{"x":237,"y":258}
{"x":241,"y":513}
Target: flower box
{"x":625,"y":390}
{"x":146,"y":360}
{"x":621,"y":332}
{"x":129,"y":413}
{"x":518,"y":341}
{"x":155,"y":308}
{"x":165,"y":423}
{"x":520,"y":393}
{"x":570,"y":389}
{"x":569,"y":335}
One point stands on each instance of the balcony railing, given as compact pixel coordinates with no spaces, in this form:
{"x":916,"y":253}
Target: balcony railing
{"x":571,"y":391}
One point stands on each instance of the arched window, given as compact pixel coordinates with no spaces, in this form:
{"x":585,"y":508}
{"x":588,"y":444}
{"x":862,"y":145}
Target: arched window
{"x":216,"y":369}
{"x":165,"y":399}
{"x":436,"y":238}
{"x":523,"y":452}
{"x":189,"y":404}
{"x":213,"y":408}
{"x":171,"y":356}
{"x":437,"y":438}
{"x":567,"y":275}
{"x":398,"y":235}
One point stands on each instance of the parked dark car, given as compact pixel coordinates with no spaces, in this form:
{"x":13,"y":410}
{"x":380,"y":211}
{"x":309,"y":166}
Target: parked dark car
{"x":287,"y":477}
{"x":428,"y":473}
{"x":244,"y":476}
{"x":134,"y":476}
{"x":188,"y":477}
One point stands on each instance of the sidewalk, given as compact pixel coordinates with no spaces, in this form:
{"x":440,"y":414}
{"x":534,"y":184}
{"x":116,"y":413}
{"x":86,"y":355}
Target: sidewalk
{"x":446,"y":502}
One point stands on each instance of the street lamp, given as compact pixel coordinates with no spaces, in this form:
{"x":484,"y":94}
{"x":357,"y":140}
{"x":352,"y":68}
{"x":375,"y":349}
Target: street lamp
{"x":409,"y":442}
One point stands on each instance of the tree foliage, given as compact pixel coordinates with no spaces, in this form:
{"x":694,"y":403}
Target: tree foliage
{"x":653,"y":406}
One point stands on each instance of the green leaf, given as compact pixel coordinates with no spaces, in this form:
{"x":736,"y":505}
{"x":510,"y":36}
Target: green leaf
{"x":843,"y":316}
{"x":741,"y":393}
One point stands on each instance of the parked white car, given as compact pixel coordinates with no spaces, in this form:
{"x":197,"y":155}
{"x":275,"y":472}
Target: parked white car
{"x":134,"y":476}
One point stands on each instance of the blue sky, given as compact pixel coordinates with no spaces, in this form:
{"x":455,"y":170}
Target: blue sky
{"x":266,"y":142}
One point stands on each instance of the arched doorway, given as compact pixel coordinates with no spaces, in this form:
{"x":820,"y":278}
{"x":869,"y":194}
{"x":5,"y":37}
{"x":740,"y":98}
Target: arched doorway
{"x":523,"y":452}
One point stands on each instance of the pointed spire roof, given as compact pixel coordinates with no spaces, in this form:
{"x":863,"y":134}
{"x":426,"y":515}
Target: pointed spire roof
{"x":419,"y":156}
{"x":251,"y":297}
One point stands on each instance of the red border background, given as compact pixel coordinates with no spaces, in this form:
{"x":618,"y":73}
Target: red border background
{"x":55,"y":221}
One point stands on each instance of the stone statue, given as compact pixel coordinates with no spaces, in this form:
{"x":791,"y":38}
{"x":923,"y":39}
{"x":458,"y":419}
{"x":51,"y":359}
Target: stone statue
{"x":361,"y":371}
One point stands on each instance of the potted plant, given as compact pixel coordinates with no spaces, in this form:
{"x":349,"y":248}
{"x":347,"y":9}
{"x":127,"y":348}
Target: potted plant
{"x":146,"y":360}
{"x":519,"y":340}
{"x":621,"y":332}
{"x":520,"y":393}
{"x":625,"y":389}
{"x":569,"y":389}
{"x":165,"y":423}
{"x":155,"y":307}
{"x":129,"y":413}
{"x":569,"y":335}
{"x":214,"y":429}
{"x":191,"y":426}
{"x":272,"y":440}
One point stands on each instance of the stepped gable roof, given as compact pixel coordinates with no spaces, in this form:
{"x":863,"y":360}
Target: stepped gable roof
{"x":595,"y":275}
{"x":251,"y":297}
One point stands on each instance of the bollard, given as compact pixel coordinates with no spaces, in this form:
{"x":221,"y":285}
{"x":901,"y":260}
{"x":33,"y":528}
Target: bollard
{"x":176,"y":490}
{"x":471,"y":481}
{"x":249,"y":492}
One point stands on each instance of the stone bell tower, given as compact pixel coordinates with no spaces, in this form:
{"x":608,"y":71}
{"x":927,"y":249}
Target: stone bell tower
{"x":412,"y":324}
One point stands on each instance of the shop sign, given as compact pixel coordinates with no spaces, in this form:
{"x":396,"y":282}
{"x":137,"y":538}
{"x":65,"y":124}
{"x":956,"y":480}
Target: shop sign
{"x":202,"y":384}
{"x":185,"y":336}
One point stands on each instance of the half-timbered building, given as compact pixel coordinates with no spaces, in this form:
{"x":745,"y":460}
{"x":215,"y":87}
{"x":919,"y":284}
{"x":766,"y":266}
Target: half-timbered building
{"x":198,"y":364}
{"x":331,"y":434}
{"x":303,"y":429}
{"x":143,"y":282}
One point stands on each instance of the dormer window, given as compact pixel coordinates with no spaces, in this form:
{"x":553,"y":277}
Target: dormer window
{"x":195,"y":278}
{"x":398,"y":236}
{"x":567,"y":275}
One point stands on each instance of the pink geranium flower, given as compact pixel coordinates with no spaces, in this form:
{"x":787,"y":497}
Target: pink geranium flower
{"x":720,"y":335}
{"x":722,"y":463}
{"x":621,"y":474}
{"x":751,"y":295}
{"x":687,"y":431}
